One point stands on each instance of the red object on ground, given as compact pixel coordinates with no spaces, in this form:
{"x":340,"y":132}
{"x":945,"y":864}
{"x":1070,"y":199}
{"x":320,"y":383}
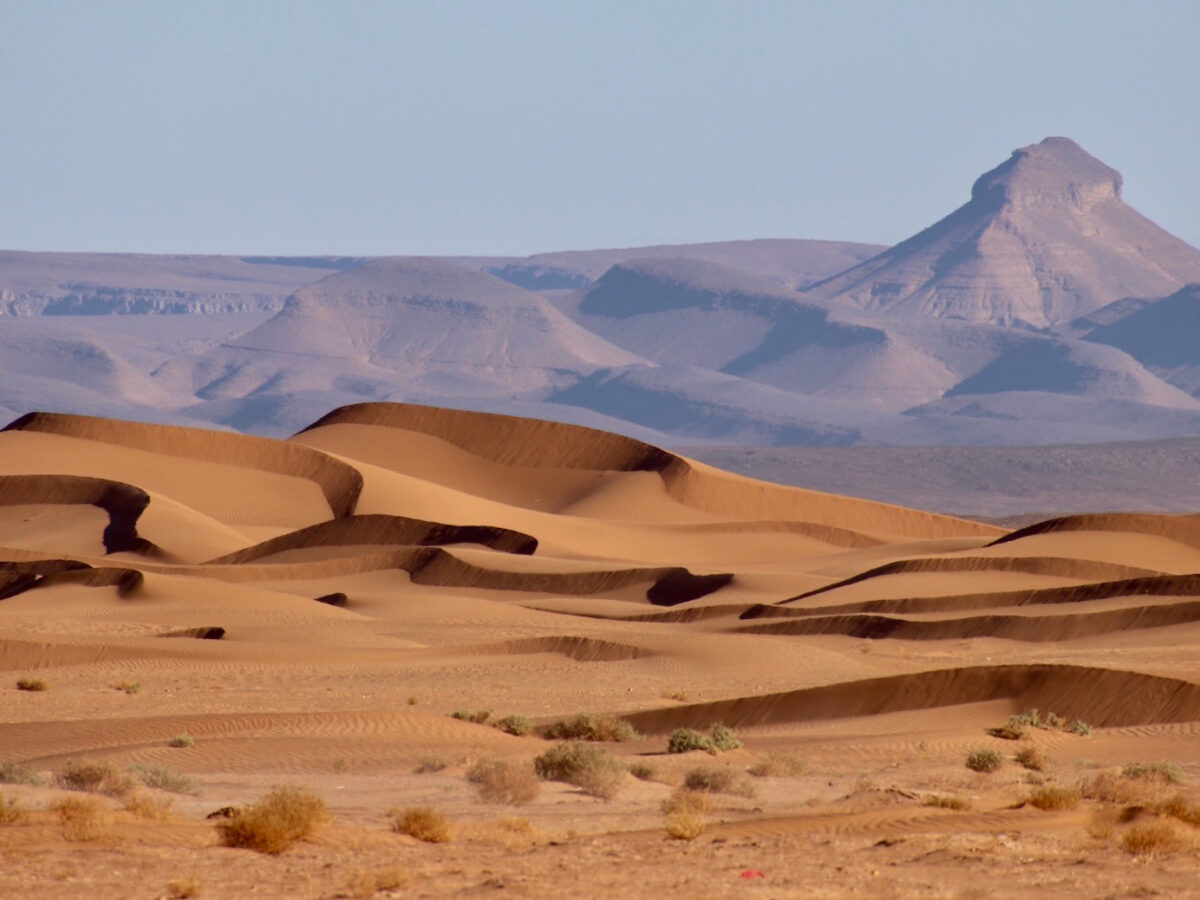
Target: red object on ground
{"x":753,"y":873}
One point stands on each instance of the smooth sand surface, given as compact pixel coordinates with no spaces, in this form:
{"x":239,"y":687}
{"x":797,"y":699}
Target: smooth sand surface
{"x":311,"y":611}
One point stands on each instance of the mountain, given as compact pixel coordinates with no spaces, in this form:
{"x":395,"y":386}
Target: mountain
{"x":1164,"y":336}
{"x":1044,"y":239}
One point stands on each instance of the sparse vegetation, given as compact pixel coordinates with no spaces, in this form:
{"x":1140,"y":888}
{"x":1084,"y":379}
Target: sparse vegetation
{"x":984,"y":759}
{"x":83,"y":819}
{"x":183,"y":888}
{"x":717,"y":780}
{"x":947,"y":801}
{"x":1179,"y":807}
{"x":182,"y":740}
{"x":1152,"y":839}
{"x":476,"y":718}
{"x":1032,"y":758}
{"x":31,"y":684}
{"x":1013,"y":731}
{"x":1162,"y":772}
{"x":11,"y":810}
{"x":502,"y":781}
{"x":369,"y":882}
{"x":145,"y":806}
{"x":129,"y":687}
{"x":584,"y":766}
{"x":16,"y":773}
{"x":1110,"y":787}
{"x":683,"y":740}
{"x":94,"y":777}
{"x":588,"y":727}
{"x":1053,"y":798}
{"x":284,"y":817}
{"x":1080,"y":727}
{"x":686,"y":813}
{"x":162,"y":778}
{"x":643,"y":771}
{"x":340,"y":765}
{"x":431,"y":764}
{"x":723,"y":739}
{"x":515,"y":724}
{"x":423,"y":822}
{"x":779,"y":764}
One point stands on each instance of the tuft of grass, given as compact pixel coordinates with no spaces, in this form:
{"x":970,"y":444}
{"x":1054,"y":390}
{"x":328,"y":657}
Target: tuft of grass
{"x":11,"y":810}
{"x":686,"y":813}
{"x":515,"y":724}
{"x":431,"y":764}
{"x":369,"y":882}
{"x":501,"y":781}
{"x":684,"y":740}
{"x":1033,"y":759}
{"x":31,"y":684}
{"x":717,"y":780}
{"x":84,"y":819}
{"x":184,"y":887}
{"x":588,"y":727}
{"x":779,"y":764}
{"x":162,"y":778}
{"x":281,"y":819}
{"x":643,"y":771}
{"x":723,"y":739}
{"x":584,"y":766}
{"x":144,"y":806}
{"x":1179,"y":807}
{"x":1013,"y":731}
{"x":984,"y":759}
{"x":422,"y":822}
{"x":182,"y":739}
{"x":129,"y":687}
{"x":1080,"y":727}
{"x":94,"y":777}
{"x":476,"y":718}
{"x":16,"y":773}
{"x":1053,"y":798}
{"x":947,"y":801}
{"x":1161,"y":772}
{"x":1152,"y":839}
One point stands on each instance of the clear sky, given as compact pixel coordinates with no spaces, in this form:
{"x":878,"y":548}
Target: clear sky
{"x":512,"y":127}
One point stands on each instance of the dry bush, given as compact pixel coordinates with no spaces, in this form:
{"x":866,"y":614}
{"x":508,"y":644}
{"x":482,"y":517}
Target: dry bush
{"x":183,"y":888}
{"x":515,"y":724}
{"x":11,"y":810}
{"x":717,"y":780}
{"x":686,"y":813}
{"x":1032,"y":758}
{"x":369,"y":882}
{"x":129,"y":687}
{"x":146,"y":806}
{"x":604,"y":781}
{"x":643,"y":771}
{"x":1080,"y":727}
{"x":31,"y":684}
{"x":779,"y":764}
{"x":1110,"y":787}
{"x":984,"y":759}
{"x":1161,"y":772}
{"x":947,"y":801}
{"x":588,"y":727}
{"x":501,"y":781}
{"x":1179,"y":807}
{"x":279,"y":820}
{"x":16,"y":773}
{"x":475,"y":718}
{"x":584,"y":766}
{"x":1013,"y":731}
{"x":431,"y":764}
{"x":1053,"y":798}
{"x":162,"y":778}
{"x":1152,"y":839}
{"x":94,"y":777}
{"x":182,"y":740}
{"x":1103,"y":824}
{"x":687,"y":800}
{"x":84,"y":819}
{"x":722,"y":738}
{"x":422,"y":822}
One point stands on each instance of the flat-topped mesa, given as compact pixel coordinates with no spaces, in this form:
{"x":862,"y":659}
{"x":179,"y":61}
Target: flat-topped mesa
{"x":1055,"y":172}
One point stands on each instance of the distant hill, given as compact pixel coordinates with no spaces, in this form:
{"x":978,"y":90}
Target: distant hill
{"x":1164,"y":336}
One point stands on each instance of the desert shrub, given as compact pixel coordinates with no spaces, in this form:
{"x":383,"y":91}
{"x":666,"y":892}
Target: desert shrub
{"x":722,"y":738}
{"x":588,"y":727}
{"x":1053,"y":798}
{"x":1080,"y":727}
{"x":643,"y":771}
{"x":1162,"y":772}
{"x":83,"y":819}
{"x":717,"y":780}
{"x":1012,"y":731}
{"x":1179,"y":807}
{"x":1110,"y":787}
{"x":282,"y":818}
{"x":500,"y":781}
{"x":129,"y":687}
{"x":431,"y":764}
{"x":686,"y":813}
{"x":162,"y":778}
{"x":31,"y":684}
{"x":94,"y":777}
{"x":145,"y":806}
{"x":515,"y":724}
{"x":477,"y":718}
{"x":184,"y":887}
{"x":1033,"y":759}
{"x":947,"y":801}
{"x":182,"y":740}
{"x":1151,"y":839}
{"x":779,"y":764}
{"x":582,"y":765}
{"x":984,"y":759}
{"x":11,"y":810}
{"x":422,"y":822}
{"x":683,"y":740}
{"x":369,"y":882}
{"x":1103,"y":824}
{"x":16,"y":773}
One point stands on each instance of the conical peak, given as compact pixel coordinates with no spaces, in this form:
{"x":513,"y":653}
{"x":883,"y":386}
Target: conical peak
{"x":1056,"y":172}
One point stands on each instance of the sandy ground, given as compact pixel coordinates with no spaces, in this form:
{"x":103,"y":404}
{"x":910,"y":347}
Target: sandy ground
{"x":471,"y":562}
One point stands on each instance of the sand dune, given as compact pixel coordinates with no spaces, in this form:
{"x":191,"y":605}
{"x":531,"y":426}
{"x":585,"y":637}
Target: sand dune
{"x":313,"y":609}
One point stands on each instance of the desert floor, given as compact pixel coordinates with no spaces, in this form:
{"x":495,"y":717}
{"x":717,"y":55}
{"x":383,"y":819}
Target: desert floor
{"x":310,"y":612}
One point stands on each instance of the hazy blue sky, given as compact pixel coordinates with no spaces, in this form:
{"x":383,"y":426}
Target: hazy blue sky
{"x":512,"y":127}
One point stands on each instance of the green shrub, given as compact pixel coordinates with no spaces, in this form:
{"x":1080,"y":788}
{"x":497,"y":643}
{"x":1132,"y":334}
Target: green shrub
{"x":588,"y":727}
{"x":515,"y":724}
{"x":984,"y":759}
{"x":582,"y":765}
{"x":684,"y":740}
{"x":1080,"y":727}
{"x":723,"y":739}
